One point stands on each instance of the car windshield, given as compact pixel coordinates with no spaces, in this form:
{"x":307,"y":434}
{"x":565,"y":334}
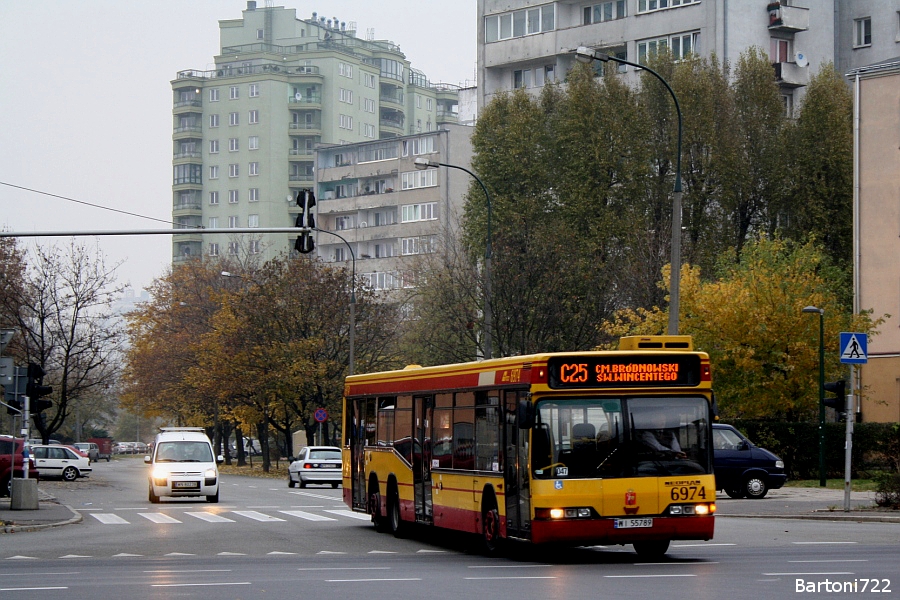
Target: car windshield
{"x":182,"y":451}
{"x":620,"y":437}
{"x":324,"y":455}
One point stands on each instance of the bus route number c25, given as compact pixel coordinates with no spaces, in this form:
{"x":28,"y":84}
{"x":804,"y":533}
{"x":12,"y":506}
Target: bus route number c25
{"x":573,"y":373}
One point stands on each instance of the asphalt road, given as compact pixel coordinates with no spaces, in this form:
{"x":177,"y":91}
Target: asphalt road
{"x":266,"y":540}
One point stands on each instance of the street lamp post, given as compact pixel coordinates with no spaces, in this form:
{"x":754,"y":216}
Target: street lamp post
{"x":586,"y":55}
{"x":350,"y":366}
{"x":424,"y":163}
{"x":821,"y":311}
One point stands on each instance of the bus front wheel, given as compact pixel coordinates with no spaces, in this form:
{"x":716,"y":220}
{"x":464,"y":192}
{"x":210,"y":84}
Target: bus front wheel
{"x":490,"y":530}
{"x":651,"y":549}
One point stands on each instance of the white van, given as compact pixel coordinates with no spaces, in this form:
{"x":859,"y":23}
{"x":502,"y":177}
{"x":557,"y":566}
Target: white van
{"x":183,"y":464}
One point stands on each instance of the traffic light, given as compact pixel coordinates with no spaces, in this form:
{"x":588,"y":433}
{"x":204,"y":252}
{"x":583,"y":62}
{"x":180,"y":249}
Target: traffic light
{"x":306,"y":199}
{"x":35,"y":389}
{"x":838,"y":403}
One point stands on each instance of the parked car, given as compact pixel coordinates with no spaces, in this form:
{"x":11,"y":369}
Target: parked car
{"x":183,"y":464}
{"x":59,"y":461}
{"x":742,"y":468}
{"x":77,"y":451}
{"x":91,"y":450}
{"x":13,"y":467}
{"x":316,"y":464}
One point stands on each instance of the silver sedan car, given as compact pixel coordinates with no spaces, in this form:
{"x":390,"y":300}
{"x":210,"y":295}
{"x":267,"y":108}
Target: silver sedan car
{"x":316,"y":464}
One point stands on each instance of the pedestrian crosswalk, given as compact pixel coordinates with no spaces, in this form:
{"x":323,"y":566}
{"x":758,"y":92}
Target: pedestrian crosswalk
{"x":179,"y":515}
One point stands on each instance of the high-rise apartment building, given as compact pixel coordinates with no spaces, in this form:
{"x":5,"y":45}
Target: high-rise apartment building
{"x":246,"y":131}
{"x":372,"y":196}
{"x":528,"y":43}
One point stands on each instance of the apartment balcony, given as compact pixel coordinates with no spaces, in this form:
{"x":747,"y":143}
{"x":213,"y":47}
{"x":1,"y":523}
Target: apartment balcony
{"x":392,"y":126}
{"x":301,"y":153}
{"x":789,"y":19}
{"x":187,"y":106}
{"x":305,"y":178}
{"x":447,"y":116}
{"x":187,"y":154}
{"x":791,"y":75}
{"x":395,"y":99}
{"x":189,"y":208}
{"x":301,"y":102}
{"x":187,"y":132}
{"x":305,"y":129}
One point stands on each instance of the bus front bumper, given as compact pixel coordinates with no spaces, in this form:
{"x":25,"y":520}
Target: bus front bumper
{"x":584,"y":532}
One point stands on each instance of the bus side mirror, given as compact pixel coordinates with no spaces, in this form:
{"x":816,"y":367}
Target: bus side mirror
{"x":526,"y":414}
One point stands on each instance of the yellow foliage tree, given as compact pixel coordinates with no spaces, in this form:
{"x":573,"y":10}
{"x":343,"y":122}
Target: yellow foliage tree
{"x":764,"y":350}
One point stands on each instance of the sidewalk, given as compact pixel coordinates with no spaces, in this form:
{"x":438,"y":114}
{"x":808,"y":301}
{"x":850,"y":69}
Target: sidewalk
{"x":49,"y":514}
{"x":786,"y":503}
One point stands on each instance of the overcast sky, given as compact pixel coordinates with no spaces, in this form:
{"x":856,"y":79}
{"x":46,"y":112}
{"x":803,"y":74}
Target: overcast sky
{"x":86,"y":103}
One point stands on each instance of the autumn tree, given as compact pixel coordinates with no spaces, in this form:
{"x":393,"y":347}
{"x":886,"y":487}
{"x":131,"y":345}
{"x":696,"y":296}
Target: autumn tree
{"x":764,"y":350}
{"x":61,"y":309}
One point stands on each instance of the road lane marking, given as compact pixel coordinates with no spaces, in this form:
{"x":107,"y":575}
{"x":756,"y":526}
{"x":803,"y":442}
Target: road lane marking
{"x":110,"y":519}
{"x":823,"y":573}
{"x":351,"y":514}
{"x":811,"y":543}
{"x":209,"y":517}
{"x":257,"y":516}
{"x":199,"y":584}
{"x":649,"y":576}
{"x":159,"y":517}
{"x":305,"y":515}
{"x":511,"y":577}
{"x":367,"y":580}
{"x":507,"y":566}
{"x":32,"y":589}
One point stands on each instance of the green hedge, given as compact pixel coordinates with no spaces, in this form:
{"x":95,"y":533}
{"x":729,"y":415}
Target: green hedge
{"x":876,"y":447}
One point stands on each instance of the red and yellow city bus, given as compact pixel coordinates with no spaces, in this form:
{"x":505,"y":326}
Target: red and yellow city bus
{"x":581,"y":448}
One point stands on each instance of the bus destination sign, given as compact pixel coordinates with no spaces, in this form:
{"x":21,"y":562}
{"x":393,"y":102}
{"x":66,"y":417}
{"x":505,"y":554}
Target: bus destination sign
{"x":623,"y":371}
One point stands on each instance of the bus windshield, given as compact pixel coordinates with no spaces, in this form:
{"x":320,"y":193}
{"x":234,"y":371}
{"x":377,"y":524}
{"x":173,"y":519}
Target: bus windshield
{"x":578,"y":438}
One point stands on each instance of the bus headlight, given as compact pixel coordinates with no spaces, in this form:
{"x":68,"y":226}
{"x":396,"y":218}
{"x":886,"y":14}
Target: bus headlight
{"x":579,"y":512}
{"x":692,"y":509}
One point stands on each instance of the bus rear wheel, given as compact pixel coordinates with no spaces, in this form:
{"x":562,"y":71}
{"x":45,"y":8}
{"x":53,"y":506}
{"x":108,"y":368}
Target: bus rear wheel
{"x":378,"y":520}
{"x":398,"y":527}
{"x":651,"y":549}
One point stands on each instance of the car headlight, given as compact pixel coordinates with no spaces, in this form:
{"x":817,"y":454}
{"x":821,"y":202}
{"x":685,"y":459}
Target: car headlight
{"x":779,"y":464}
{"x":159,"y":473}
{"x":211,"y":473}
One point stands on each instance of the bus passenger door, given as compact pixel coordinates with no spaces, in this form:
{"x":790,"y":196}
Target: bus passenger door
{"x":357,"y":458}
{"x":423,"y":407}
{"x":518,"y":501}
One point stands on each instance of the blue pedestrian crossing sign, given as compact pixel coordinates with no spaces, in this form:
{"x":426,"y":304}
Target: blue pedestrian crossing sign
{"x":854,"y":348}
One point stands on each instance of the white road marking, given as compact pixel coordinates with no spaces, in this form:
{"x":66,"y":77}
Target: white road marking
{"x":257,"y":516}
{"x":305,"y":515}
{"x":159,"y":517}
{"x":209,"y":517}
{"x":110,"y":519}
{"x":351,"y":514}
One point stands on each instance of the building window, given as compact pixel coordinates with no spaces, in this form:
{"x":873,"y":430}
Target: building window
{"x":788,"y":100}
{"x":232,"y":196}
{"x":651,"y":5}
{"x":346,"y":96}
{"x":214,"y":198}
{"x":427,"y":211}
{"x":232,"y":222}
{"x":234,"y":93}
{"x":214,"y":172}
{"x":214,"y":95}
{"x":253,"y":142}
{"x":606,"y":11}
{"x":233,"y":119}
{"x":214,"y":222}
{"x":346,"y":122}
{"x":380,"y":281}
{"x":233,"y":145}
{"x":213,"y":146}
{"x":253,"y":117}
{"x":232,"y":248}
{"x":417,"y":179}
{"x":368,"y":130}
{"x":345,"y":70}
{"x":260,"y":34}
{"x":253,"y":195}
{"x":369,"y":80}
{"x":233,"y":170}
{"x":253,"y":221}
{"x":519,"y":23}
{"x":418,"y":101}
{"x":863,"y":32}
{"x":343,"y":223}
{"x":522,"y":78}
{"x":369,"y":105}
{"x":684,"y":45}
{"x":213,"y":249}
{"x":254,"y":168}
{"x":254,"y":246}
{"x":254,"y":90}
{"x":416,"y":146}
{"x":213,"y":120}
{"x":340,"y":254}
{"x":779,"y":50}
{"x":429,"y":104}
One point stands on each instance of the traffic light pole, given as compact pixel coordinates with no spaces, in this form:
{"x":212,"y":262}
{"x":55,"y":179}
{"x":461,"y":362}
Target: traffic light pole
{"x":26,"y":434}
{"x":848,"y":435}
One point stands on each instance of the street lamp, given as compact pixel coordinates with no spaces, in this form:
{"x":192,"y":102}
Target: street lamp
{"x":350,"y":366}
{"x":586,"y":55}
{"x":821,"y":311}
{"x":424,"y":163}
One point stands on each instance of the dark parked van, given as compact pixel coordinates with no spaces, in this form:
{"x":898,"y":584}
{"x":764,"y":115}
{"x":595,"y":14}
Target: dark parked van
{"x":741,"y":468}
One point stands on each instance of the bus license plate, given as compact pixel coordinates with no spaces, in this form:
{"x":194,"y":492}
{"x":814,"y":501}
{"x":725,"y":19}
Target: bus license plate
{"x":630,"y":523}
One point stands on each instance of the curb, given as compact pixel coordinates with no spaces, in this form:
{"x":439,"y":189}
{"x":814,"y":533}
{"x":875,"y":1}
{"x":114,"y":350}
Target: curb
{"x":77,"y":518}
{"x":825,"y":516}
